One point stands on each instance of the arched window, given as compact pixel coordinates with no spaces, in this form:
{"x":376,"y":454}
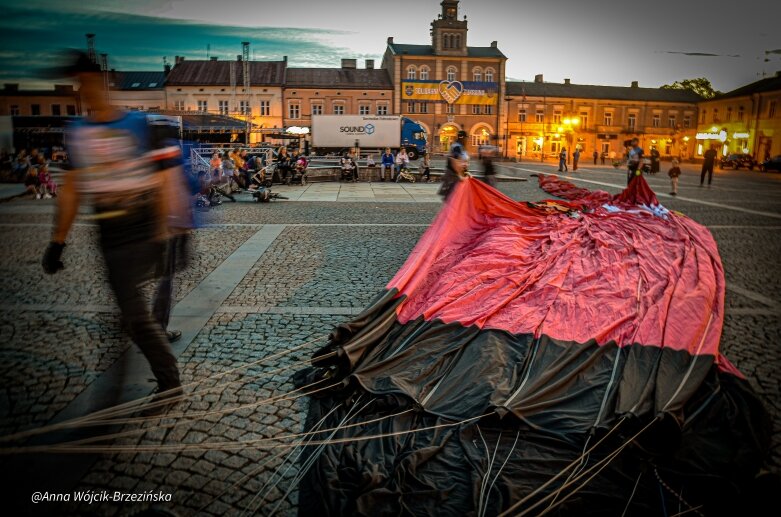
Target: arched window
{"x":457,"y":42}
{"x":477,"y":74}
{"x":424,"y":70}
{"x":489,"y":75}
{"x":446,"y":41}
{"x":411,"y":72}
{"x":480,"y":136}
{"x":451,"y":73}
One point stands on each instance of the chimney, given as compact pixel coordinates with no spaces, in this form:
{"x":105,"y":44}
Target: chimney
{"x":238,"y":57}
{"x":178,"y":59}
{"x":369,"y":64}
{"x":213,"y":58}
{"x":566,"y":81}
{"x":493,"y":44}
{"x":349,"y":63}
{"x":284,"y":58}
{"x":167,"y":69}
{"x":634,"y":84}
{"x":390,"y":40}
{"x":11,"y":87}
{"x":538,"y":78}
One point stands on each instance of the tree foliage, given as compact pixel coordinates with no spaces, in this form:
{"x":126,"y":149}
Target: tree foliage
{"x":701,"y":86}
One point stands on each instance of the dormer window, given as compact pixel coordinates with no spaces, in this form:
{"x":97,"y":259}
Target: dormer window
{"x":135,"y":85}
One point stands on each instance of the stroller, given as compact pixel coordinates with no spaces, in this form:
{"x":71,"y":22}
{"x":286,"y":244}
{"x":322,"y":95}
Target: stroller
{"x":298,"y":173}
{"x":349,"y":170}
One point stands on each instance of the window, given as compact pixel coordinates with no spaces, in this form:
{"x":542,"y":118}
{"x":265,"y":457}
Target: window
{"x":656,"y":120}
{"x":728,"y":116}
{"x":363,"y":109}
{"x":489,"y":75}
{"x":135,"y":85}
{"x":740,"y":113}
{"x":152,"y":85}
{"x":477,"y":74}
{"x":632,"y":122}
{"x":244,"y":107}
{"x":605,"y":147}
{"x":410,"y":107}
{"x":265,"y":108}
{"x":480,"y":137}
{"x":382,"y":109}
{"x":771,"y":109}
{"x":203,"y":105}
{"x":488,"y":109}
{"x":223,"y":107}
{"x":13,"y":110}
{"x":687,"y":121}
{"x":557,"y":117}
{"x":608,"y":118}
{"x":668,"y":148}
{"x":294,"y":110}
{"x":521,"y":114}
{"x":702,"y":116}
{"x":475,"y":109}
{"x":317,"y":109}
{"x":671,"y":121}
{"x":424,"y":70}
{"x":411,"y":72}
{"x":179,"y":105}
{"x":457,"y":41}
{"x":35,"y":109}
{"x":584,"y":119}
{"x":339,"y":109}
{"x":446,"y":41}
{"x":715,"y":117}
{"x":539,"y":116}
{"x":70,"y":109}
{"x":56,"y":111}
{"x":451,"y":108}
{"x":451,"y":73}
{"x":423,"y":107}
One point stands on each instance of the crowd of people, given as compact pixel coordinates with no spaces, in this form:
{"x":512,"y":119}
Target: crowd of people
{"x":32,"y":169}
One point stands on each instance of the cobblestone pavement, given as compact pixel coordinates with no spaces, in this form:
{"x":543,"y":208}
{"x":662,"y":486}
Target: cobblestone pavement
{"x":59,"y":334}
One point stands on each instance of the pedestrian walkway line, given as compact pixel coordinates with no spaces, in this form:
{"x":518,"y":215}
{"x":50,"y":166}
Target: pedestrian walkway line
{"x":658,"y":194}
{"x":769,"y":302}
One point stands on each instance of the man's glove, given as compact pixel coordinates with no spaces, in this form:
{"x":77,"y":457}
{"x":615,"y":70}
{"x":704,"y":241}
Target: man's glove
{"x":51,"y":258}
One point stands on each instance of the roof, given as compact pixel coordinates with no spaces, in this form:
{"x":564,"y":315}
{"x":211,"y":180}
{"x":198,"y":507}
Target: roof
{"x":428,"y":50}
{"x":58,"y":91}
{"x":590,"y":91}
{"x":339,"y":78}
{"x":213,"y":73}
{"x":767,"y":84}
{"x":139,"y":80}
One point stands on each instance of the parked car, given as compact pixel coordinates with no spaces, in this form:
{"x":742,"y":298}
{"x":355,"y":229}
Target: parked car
{"x":736,"y":161}
{"x":772,"y":164}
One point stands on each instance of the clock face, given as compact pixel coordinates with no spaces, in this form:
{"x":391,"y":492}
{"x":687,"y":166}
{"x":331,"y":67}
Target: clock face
{"x":451,"y":13}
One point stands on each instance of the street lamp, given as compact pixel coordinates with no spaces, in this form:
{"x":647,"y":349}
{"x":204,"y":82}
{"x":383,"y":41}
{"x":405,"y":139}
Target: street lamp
{"x":570,"y":123}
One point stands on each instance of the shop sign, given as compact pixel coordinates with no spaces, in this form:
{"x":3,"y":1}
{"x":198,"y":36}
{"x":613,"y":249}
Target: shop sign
{"x":740,"y":135}
{"x":721,"y":135}
{"x":452,"y":92}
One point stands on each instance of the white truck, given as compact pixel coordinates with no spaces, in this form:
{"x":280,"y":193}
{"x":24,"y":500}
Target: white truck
{"x":337,"y":133}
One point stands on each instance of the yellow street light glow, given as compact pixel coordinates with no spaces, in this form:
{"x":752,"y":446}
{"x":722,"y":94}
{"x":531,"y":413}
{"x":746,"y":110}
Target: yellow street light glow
{"x":714,"y":129}
{"x":686,"y":139}
{"x":567,"y":121}
{"x":575,"y":121}
{"x":561,"y":130}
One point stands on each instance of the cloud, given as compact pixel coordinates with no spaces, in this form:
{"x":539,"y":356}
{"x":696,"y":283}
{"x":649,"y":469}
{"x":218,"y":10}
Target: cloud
{"x":700,"y":54}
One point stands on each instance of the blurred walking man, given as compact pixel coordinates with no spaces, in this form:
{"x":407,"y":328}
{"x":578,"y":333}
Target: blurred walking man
{"x":118,"y":168}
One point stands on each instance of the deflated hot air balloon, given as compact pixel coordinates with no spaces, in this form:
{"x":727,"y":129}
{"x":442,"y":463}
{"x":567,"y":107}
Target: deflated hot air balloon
{"x":559,"y":357}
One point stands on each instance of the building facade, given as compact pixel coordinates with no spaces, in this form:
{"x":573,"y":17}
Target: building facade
{"x":745,"y":120}
{"x":217,"y":87}
{"x":448,"y":86}
{"x":542,"y":118}
{"x":335,"y":91}
{"x":63,"y":100}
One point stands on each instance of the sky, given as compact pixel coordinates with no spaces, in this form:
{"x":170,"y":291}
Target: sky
{"x":610,"y":42}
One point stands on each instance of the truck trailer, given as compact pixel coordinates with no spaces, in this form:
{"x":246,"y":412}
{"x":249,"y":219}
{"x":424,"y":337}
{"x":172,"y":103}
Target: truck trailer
{"x":339,"y":133}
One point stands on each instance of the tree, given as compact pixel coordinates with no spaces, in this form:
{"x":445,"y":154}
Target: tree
{"x":701,"y":86}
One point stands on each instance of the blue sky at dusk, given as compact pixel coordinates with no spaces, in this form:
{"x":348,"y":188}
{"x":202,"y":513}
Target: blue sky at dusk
{"x":591,"y":42}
